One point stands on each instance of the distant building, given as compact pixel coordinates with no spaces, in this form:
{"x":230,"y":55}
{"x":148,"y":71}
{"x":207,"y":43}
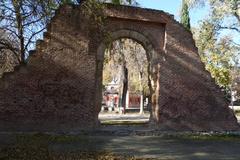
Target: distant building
{"x":111,"y":98}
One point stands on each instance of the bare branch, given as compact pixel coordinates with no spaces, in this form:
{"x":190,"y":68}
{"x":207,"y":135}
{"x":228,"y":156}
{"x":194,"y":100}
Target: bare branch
{"x":237,"y":16}
{"x":34,"y":21}
{"x":11,"y":31}
{"x":230,"y":28}
{"x":34,"y":34}
{"x":235,"y":43}
{"x":8,"y":8}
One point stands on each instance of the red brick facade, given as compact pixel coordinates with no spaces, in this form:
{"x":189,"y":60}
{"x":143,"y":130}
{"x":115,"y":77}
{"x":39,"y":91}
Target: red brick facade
{"x":60,"y":88}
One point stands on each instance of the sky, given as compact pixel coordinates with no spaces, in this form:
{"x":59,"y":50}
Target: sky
{"x":173,"y":7}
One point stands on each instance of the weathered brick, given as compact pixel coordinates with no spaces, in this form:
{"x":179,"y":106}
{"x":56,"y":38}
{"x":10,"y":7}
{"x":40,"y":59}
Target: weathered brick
{"x":60,"y":88}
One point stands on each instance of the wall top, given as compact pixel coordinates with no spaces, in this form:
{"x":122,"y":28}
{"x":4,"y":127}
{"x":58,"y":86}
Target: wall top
{"x":137,"y":13}
{"x":132,"y":13}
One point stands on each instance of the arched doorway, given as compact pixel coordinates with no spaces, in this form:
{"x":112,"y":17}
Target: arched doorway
{"x":152,"y":60}
{"x":60,"y":88}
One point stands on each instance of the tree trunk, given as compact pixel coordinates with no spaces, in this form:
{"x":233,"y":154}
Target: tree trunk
{"x":141,"y":88}
{"x":17,"y":7}
{"x":150,"y":89}
{"x":22,"y":47}
{"x":125,"y":87}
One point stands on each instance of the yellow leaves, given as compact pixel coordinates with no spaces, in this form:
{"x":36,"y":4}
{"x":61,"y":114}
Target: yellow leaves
{"x":221,"y":74}
{"x":133,"y":55}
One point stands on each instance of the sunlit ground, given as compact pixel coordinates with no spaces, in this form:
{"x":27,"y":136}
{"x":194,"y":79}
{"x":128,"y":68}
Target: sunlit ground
{"x":166,"y":146}
{"x":83,"y":147}
{"x":128,"y":118}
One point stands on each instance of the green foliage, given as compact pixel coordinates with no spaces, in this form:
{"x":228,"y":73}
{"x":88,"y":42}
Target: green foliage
{"x":225,"y":12}
{"x":68,"y":2}
{"x":36,"y":147}
{"x":185,"y":19}
{"x":123,"y":2}
{"x":216,"y":54}
{"x":235,"y":85}
{"x":205,"y":36}
{"x":133,"y":55}
{"x":195,"y":3}
{"x":94,"y":11}
{"x":118,"y":2}
{"x":219,"y":52}
{"x":220,"y":73}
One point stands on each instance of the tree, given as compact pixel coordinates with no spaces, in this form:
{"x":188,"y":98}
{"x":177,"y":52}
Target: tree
{"x":116,"y":54}
{"x":24,"y":20}
{"x":195,"y":3}
{"x":217,"y":54}
{"x":235,"y":83}
{"x":226,"y":10}
{"x":219,"y":51}
{"x":185,"y":19}
{"x":225,"y":13}
{"x":122,"y":2}
{"x":126,"y":60}
{"x":8,"y":53}
{"x":139,"y":64}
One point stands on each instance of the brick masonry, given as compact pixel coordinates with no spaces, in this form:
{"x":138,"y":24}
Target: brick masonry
{"x":60,"y":88}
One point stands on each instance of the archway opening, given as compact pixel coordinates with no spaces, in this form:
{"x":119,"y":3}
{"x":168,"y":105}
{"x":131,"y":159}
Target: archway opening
{"x":126,"y":95}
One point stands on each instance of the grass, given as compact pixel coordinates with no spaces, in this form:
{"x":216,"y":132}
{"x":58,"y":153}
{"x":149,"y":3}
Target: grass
{"x":43,"y":154}
{"x":112,"y":122}
{"x":237,"y":112}
{"x":206,"y":136}
{"x":36,"y":147}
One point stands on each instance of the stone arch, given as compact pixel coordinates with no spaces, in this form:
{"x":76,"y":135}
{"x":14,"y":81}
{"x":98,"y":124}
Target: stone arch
{"x":151,"y":55}
{"x":141,"y":38}
{"x":70,"y":56}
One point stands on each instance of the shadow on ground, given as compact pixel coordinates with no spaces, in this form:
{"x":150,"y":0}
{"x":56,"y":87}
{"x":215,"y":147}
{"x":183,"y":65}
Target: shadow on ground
{"x":188,"y":147}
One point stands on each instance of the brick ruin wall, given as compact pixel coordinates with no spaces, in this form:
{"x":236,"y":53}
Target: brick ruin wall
{"x":189,"y":97}
{"x":56,"y":90}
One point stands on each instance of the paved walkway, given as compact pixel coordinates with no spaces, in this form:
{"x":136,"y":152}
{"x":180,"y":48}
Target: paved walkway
{"x":108,"y":116}
{"x":114,"y":117}
{"x":162,"y":146}
{"x":158,"y":147}
{"x":238,"y":117}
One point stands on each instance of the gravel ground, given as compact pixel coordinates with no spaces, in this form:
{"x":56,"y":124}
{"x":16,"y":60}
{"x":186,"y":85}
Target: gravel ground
{"x":134,"y":141}
{"x":106,"y":116}
{"x":139,"y":147}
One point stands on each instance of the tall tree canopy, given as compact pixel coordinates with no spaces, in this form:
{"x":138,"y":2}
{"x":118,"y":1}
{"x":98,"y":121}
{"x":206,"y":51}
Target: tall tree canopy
{"x":126,"y":64}
{"x":185,"y":18}
{"x":9,"y":52}
{"x":217,"y":38}
{"x":23,"y":20}
{"x":125,"y":2}
{"x":224,"y":13}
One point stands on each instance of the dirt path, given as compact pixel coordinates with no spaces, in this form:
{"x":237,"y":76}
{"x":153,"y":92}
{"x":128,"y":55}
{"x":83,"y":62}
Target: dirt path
{"x":120,"y":140}
{"x":158,"y":147}
{"x":113,"y":117}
